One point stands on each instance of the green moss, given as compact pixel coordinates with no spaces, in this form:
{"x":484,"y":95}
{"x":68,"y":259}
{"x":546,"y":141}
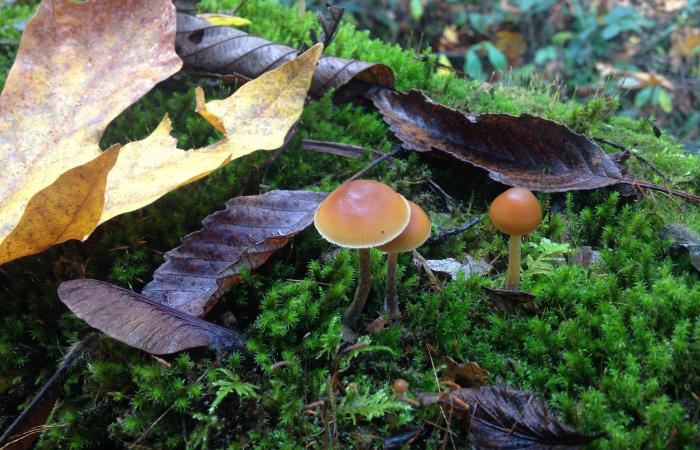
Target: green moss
{"x":616,"y":347}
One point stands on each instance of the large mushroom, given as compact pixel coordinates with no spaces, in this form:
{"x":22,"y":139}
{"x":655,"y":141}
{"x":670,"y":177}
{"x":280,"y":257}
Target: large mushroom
{"x":361,"y":214}
{"x":515,"y":212}
{"x":412,"y":237}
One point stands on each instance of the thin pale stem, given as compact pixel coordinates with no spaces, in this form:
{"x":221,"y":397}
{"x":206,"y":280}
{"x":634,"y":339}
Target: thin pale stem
{"x":513,"y":276}
{"x":391,"y":307}
{"x":364,"y":282}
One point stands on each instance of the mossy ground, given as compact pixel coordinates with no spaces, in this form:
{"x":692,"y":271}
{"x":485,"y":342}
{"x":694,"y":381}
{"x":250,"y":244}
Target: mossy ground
{"x":616,"y":347}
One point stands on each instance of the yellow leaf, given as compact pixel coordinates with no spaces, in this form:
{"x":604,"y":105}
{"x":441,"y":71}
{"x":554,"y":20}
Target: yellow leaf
{"x":69,"y":81}
{"x":686,"y":42}
{"x":225,"y":20}
{"x":512,"y":44}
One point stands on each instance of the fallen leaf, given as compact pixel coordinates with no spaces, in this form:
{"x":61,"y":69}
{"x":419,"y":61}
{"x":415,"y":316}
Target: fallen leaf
{"x":224,"y":50}
{"x":225,"y":20}
{"x":499,"y":417}
{"x":685,"y":43}
{"x":62,"y":92}
{"x":506,"y":301}
{"x":140,"y":322}
{"x":242,"y":236}
{"x":524,"y":151}
{"x":330,"y":24}
{"x":28,"y":426}
{"x":466,"y":375}
{"x":513,"y":45}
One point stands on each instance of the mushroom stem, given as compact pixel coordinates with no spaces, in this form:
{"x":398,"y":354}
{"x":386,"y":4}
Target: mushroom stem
{"x":364,"y":282}
{"x":513,"y":275}
{"x":391,"y":306}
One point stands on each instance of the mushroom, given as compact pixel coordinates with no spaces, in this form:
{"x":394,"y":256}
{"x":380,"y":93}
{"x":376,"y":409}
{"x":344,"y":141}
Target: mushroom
{"x":361,"y":214}
{"x":515,"y":212}
{"x":412,"y":237}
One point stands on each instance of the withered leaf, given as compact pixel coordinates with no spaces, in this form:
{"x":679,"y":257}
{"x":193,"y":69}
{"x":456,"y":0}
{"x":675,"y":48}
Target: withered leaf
{"x":524,"y":151}
{"x":224,"y":50}
{"x":499,"y":417}
{"x":330,"y":24}
{"x":140,"y":322}
{"x":27,"y":427}
{"x":506,"y":301}
{"x":242,"y":236}
{"x":466,"y":375}
{"x":62,"y":92}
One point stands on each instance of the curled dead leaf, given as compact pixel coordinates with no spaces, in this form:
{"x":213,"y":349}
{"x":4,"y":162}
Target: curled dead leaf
{"x":224,"y":50}
{"x":524,"y":151}
{"x":242,"y":236}
{"x":499,"y":417}
{"x":469,"y":374}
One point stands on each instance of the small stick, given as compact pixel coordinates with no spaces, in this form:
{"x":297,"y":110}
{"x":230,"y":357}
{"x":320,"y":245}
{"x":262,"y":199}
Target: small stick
{"x":444,"y":234}
{"x":441,"y":192}
{"x":636,"y":154}
{"x":658,"y":187}
{"x":397,"y":148}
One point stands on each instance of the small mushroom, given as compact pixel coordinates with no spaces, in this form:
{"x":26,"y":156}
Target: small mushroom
{"x":361,"y":214}
{"x":412,"y":237}
{"x":515,"y":212}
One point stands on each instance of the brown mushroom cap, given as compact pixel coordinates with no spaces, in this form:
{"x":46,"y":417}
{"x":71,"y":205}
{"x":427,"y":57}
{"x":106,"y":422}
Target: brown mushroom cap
{"x":413,"y":236}
{"x":362,"y":214}
{"x":516,"y":212}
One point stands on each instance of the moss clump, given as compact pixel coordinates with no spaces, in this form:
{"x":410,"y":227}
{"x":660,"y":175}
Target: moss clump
{"x":615,"y":348}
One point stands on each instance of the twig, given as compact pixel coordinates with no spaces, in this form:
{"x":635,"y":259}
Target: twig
{"x":441,"y":192}
{"x":9,"y":42}
{"x":442,"y":411}
{"x":397,"y":148}
{"x":239,"y":6}
{"x":335,"y":148}
{"x":636,"y":154}
{"x":444,"y":234}
{"x":658,"y":187}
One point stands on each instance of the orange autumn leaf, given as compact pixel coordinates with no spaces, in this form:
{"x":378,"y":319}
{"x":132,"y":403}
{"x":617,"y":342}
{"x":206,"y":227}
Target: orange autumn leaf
{"x":70,"y":80}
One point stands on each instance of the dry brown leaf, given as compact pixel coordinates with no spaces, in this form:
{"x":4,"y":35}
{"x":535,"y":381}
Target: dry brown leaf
{"x":466,"y":375}
{"x":513,"y":45}
{"x":524,"y":151}
{"x":685,"y":43}
{"x":140,"y":322}
{"x":224,"y":50}
{"x":62,"y":92}
{"x":243,"y":236}
{"x":500,"y":417}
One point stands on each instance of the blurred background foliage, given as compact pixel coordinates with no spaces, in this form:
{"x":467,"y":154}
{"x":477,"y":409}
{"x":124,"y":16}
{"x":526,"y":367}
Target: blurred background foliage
{"x":646,"y":54}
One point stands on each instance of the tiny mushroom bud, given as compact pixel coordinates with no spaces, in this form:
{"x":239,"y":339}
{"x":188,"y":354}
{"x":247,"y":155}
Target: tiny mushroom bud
{"x":400,"y":386}
{"x":361,"y":214}
{"x":412,"y":237}
{"x":515,"y":212}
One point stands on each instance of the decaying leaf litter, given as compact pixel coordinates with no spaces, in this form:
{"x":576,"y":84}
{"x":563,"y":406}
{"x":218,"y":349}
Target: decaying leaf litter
{"x":556,"y":439}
